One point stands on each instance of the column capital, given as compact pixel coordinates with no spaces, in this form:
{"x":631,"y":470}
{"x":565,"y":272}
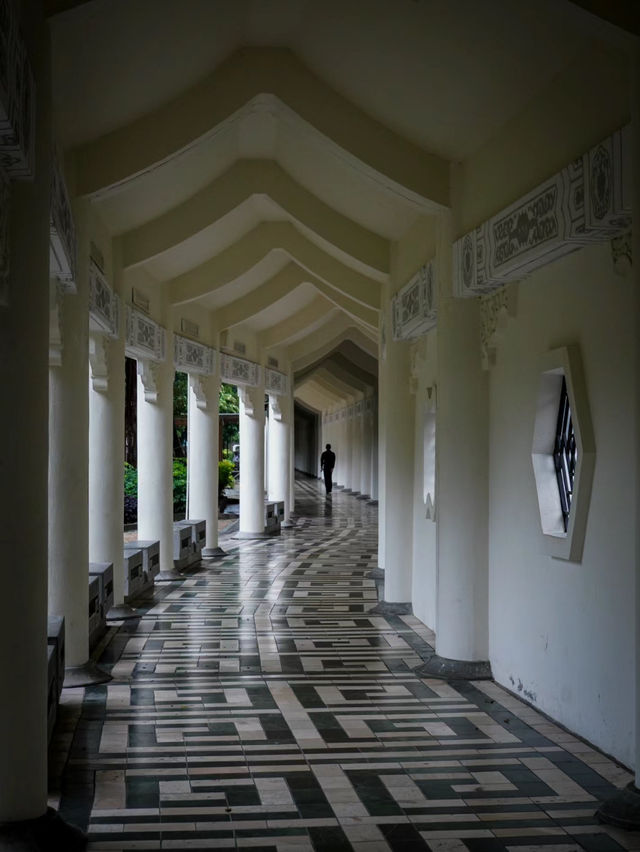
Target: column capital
{"x":99,"y":362}
{"x":148,"y":372}
{"x":275,"y":404}
{"x":248,"y":397}
{"x":199,"y":391}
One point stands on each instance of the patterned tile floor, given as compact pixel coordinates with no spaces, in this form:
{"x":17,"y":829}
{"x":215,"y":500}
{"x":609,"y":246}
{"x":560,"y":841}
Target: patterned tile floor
{"x":257,"y":705}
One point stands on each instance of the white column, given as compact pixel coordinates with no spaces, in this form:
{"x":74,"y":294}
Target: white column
{"x":251,"y":462}
{"x":69,"y":473}
{"x":396,"y":458}
{"x":635,"y":112}
{"x":202,"y":462}
{"x":24,"y":335}
{"x":375,"y":427}
{"x":356,"y":448}
{"x":279,"y":452}
{"x":106,"y":454}
{"x":462,"y":450}
{"x":155,"y":456}
{"x":348,"y":445}
{"x":365,"y":448}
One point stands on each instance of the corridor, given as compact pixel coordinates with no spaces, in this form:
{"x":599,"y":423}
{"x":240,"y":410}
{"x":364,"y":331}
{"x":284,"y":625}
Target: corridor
{"x":257,"y":704}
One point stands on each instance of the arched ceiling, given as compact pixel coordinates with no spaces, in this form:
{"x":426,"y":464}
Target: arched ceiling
{"x":257,"y":158}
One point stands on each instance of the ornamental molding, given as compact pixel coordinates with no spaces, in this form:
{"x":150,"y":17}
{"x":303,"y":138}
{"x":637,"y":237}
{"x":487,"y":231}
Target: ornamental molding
{"x":62,"y":232}
{"x":239,"y":371}
{"x":5,"y":199}
{"x":148,"y":372}
{"x":199,"y":392}
{"x":496,"y":309}
{"x":145,"y":338}
{"x":413,"y":308}
{"x":17,"y":99}
{"x":622,"y":253}
{"x":276,"y":382}
{"x":191,"y":357}
{"x":99,"y":362}
{"x":587,"y":202}
{"x":275,"y":408}
{"x":247,"y":399}
{"x":104,"y":304}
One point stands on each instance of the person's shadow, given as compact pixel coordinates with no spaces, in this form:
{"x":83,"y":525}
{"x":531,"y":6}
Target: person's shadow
{"x":328,"y":507}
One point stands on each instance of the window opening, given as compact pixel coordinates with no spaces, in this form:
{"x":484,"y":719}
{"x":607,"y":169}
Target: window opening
{"x":565,"y":454}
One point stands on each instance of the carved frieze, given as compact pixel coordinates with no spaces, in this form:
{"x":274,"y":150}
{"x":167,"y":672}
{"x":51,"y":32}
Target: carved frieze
{"x":413,"y":308}
{"x":145,"y":338}
{"x":275,"y":382}
{"x":239,"y":371}
{"x":62,"y":232}
{"x":5,"y":197}
{"x":588,"y":201}
{"x":17,"y":99}
{"x":192,"y":357}
{"x":104,"y":305}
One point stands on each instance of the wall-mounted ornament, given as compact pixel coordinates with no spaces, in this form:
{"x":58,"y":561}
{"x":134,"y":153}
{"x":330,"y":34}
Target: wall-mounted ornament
{"x":145,"y":338}
{"x":496,"y":309}
{"x":104,"y":304}
{"x":413,"y":308}
{"x":190,"y":328}
{"x":239,"y":371}
{"x":622,"y":253}
{"x":62,"y":232}
{"x":191,"y":357}
{"x":275,"y":382}
{"x":17,"y":99}
{"x":589,"y":201}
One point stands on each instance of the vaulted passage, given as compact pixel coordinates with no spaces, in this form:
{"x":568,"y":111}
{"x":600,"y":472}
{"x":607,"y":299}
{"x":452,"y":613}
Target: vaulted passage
{"x":259,"y":703}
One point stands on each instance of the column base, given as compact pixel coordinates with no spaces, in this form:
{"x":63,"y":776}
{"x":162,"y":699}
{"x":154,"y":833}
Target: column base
{"x":446,"y":669}
{"x":287,"y":525}
{"x":254,"y":535}
{"x":88,"y":674}
{"x":213,"y":553}
{"x":346,"y":490}
{"x":48,"y":833}
{"x":391,"y":608}
{"x":363,"y":496}
{"x":169,"y":576}
{"x":375,"y":574}
{"x":622,"y":810}
{"x":372,"y":502}
{"x":122,"y":612}
{"x":355,"y":494}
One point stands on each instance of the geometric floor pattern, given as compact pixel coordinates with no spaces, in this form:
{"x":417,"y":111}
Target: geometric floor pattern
{"x":257,"y":705}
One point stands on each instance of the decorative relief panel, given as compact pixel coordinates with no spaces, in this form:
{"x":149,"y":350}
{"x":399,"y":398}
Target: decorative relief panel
{"x":622,"y":253}
{"x":192,"y":357}
{"x":145,"y":338}
{"x":275,"y":382}
{"x":17,"y":99}
{"x":239,"y":371}
{"x":62,"y":232}
{"x":413,"y":308}
{"x":104,"y":305}
{"x":588,"y":201}
{"x":5,"y":197}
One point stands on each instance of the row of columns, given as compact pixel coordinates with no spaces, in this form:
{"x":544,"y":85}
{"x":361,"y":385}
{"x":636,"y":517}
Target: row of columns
{"x":352,"y":433}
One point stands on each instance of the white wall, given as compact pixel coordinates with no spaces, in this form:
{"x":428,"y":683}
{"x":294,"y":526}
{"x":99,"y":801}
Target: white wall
{"x":561,"y":634}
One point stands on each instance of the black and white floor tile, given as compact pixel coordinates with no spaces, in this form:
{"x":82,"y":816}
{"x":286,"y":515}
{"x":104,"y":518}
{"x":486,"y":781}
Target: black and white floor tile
{"x":257,"y":705}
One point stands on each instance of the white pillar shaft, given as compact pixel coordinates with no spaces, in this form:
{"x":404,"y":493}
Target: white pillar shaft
{"x":278,"y":454}
{"x":24,"y":335}
{"x":462,"y":441}
{"x":355,"y":451}
{"x":374,"y":451}
{"x":202,"y":463}
{"x":106,"y":454}
{"x":251,"y":461}
{"x":365,"y":464}
{"x":69,"y":466}
{"x":635,"y":117}
{"x":155,"y":455}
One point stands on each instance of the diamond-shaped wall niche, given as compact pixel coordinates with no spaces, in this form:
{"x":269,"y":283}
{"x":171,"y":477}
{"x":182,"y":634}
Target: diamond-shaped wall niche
{"x":559,"y":364}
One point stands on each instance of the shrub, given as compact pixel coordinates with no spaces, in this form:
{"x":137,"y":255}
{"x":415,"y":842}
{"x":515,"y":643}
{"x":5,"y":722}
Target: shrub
{"x":179,"y":485}
{"x":130,"y":480}
{"x":225,"y":475}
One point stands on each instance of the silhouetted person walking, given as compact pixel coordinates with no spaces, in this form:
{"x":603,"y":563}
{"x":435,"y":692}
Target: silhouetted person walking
{"x":327,"y":464}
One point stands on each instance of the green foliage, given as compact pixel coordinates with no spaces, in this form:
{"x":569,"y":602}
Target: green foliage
{"x":225,"y":475}
{"x":179,"y":485}
{"x":180,"y":394}
{"x":130,"y":480}
{"x":229,"y":403}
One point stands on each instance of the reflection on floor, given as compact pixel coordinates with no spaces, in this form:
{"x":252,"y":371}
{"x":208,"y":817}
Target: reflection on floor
{"x":257,"y":705}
